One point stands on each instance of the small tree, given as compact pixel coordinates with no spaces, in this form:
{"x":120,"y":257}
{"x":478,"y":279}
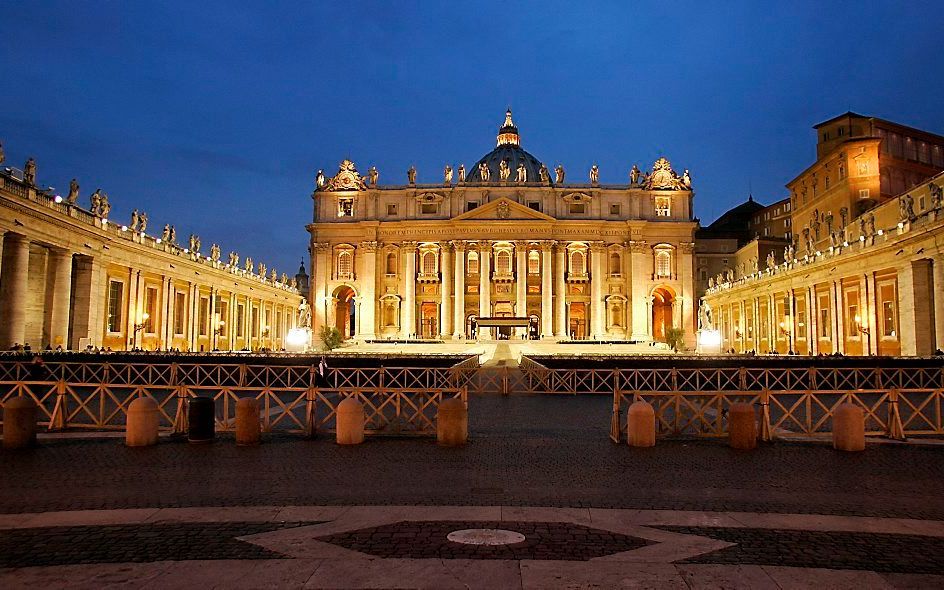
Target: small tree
{"x":675,"y":338}
{"x":330,"y":337}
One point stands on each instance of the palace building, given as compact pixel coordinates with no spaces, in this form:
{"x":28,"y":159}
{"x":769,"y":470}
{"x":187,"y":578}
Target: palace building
{"x":504,"y":249}
{"x":73,"y":277}
{"x":852,"y":262}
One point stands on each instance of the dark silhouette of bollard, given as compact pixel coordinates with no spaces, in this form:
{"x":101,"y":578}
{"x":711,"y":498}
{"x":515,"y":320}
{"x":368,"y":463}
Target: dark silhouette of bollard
{"x":143,"y":420}
{"x":452,"y":423}
{"x":350,"y":422}
{"x":641,"y":425}
{"x":849,"y":428}
{"x":248,"y":429}
{"x":19,"y":423}
{"x":201,"y":420}
{"x":742,"y":427}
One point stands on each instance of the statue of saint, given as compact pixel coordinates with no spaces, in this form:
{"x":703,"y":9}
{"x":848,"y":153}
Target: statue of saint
{"x":521,"y":174}
{"x":29,"y":171}
{"x":173,"y":235}
{"x":283,"y":279}
{"x":262,"y":270}
{"x":73,"y":192}
{"x":293,"y":282}
{"x":96,"y":200}
{"x":411,"y":175}
{"x":594,"y":175}
{"x":447,"y":174}
{"x":461,"y":173}
{"x":373,"y":175}
{"x":215,"y":253}
{"x":937,"y":195}
{"x":704,"y":316}
{"x":559,"y":174}
{"x":273,"y":275}
{"x":504,"y":171}
{"x":142,"y":222}
{"x":304,"y":314}
{"x":844,"y":216}
{"x":871,"y":224}
{"x":320,"y":179}
{"x":484,"y":172}
{"x":544,"y":174}
{"x":134,"y":220}
{"x":233,"y":259}
{"x":249,"y":264}
{"x":165,"y":235}
{"x":105,"y":208}
{"x":909,"y":208}
{"x":711,"y":282}
{"x":634,"y":175}
{"x":192,"y":243}
{"x":729,"y":275}
{"x":686,"y":179}
{"x":771,"y":261}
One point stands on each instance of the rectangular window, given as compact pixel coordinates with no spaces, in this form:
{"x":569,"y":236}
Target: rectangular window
{"x":150,"y":308}
{"x":204,"y":316}
{"x":536,"y":205}
{"x":578,"y":208}
{"x":470,"y":205}
{"x":180,"y":312}
{"x":221,"y":316}
{"x":391,"y":209}
{"x":346,"y":207}
{"x":240,"y":320}
{"x":430,"y":208}
{"x":824,"y":316}
{"x":614,"y":208}
{"x":254,"y":322}
{"x":852,"y":318}
{"x":663,"y":207}
{"x":863,"y":193}
{"x":801,"y":325}
{"x":863,"y":168}
{"x":115,"y":295}
{"x":889,"y":320}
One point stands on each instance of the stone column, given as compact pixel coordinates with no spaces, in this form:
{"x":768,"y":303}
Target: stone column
{"x":812,"y":321}
{"x":61,"y":287}
{"x":937,"y":277}
{"x":485,"y":281}
{"x":459,"y":323}
{"x":318,"y":296}
{"x":367,"y":281}
{"x":560,"y":290}
{"x":791,"y":311}
{"x":597,"y":278}
{"x":839,"y":323}
{"x":547,"y":317}
{"x":521,"y":280}
{"x":870,"y":313}
{"x":686,"y":275}
{"x":408,"y":321}
{"x":445,"y":305}
{"x":13,"y":287}
{"x":641,"y":259}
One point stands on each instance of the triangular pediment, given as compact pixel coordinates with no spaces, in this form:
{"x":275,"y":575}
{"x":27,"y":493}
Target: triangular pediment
{"x":503,"y":209}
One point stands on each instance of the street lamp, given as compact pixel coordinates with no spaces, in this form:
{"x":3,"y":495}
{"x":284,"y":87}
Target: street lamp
{"x":220,"y":327}
{"x":860,"y":327}
{"x":144,"y":322}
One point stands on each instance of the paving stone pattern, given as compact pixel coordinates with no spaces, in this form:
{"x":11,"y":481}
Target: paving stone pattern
{"x":133,"y":543}
{"x":834,"y":550}
{"x":543,"y":540}
{"x":525,"y":450}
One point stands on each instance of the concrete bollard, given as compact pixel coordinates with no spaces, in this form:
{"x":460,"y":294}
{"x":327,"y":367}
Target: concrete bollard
{"x":201,"y":420}
{"x":849,"y":428}
{"x":350,"y":422}
{"x":641,"y":425}
{"x":19,"y":423}
{"x":248,"y":429}
{"x":742,"y":427}
{"x":452,"y":423}
{"x":143,"y":420}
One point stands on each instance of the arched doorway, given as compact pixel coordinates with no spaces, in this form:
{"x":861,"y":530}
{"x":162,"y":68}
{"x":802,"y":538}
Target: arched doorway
{"x":344,"y":311}
{"x":429,"y":318}
{"x":662,"y":301}
{"x":578,"y":321}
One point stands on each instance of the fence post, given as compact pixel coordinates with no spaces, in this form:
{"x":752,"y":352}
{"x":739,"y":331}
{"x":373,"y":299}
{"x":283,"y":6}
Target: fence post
{"x":766,"y":432}
{"x":60,"y":413}
{"x":180,"y":417}
{"x":895,"y":430}
{"x":615,"y":415}
{"x":742,"y":378}
{"x":311,"y":397}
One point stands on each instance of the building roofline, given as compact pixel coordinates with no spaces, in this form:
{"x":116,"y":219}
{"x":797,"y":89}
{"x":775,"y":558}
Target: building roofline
{"x":879,"y":119}
{"x":825,"y":156}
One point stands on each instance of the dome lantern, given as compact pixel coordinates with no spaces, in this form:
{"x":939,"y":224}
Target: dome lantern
{"x":508,"y":133}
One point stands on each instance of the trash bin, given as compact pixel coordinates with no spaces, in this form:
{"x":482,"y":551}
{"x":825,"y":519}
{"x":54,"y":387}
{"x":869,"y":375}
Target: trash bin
{"x":201,"y":423}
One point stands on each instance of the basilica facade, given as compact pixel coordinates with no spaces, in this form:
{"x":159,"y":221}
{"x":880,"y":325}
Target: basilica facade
{"x":507,"y":248}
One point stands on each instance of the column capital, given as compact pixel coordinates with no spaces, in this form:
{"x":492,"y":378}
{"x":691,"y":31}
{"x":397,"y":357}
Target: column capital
{"x":485,"y":245}
{"x":638,"y":246}
{"x":445,"y":246}
{"x":408,"y":246}
{"x":320,"y":246}
{"x":597,"y":246}
{"x":687,"y":247}
{"x":368,"y":247}
{"x":546,"y":245}
{"x":459,"y":245}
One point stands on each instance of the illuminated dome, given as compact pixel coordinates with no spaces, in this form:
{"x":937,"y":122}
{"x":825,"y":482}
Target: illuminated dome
{"x":509,"y":149}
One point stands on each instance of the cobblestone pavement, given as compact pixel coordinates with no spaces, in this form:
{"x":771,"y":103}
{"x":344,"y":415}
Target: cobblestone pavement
{"x":537,"y":451}
{"x":830,"y":549}
{"x":543,"y":540}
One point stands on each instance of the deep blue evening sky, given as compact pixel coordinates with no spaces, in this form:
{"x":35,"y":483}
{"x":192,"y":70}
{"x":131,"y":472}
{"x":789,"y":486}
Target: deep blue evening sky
{"x":216,"y":116}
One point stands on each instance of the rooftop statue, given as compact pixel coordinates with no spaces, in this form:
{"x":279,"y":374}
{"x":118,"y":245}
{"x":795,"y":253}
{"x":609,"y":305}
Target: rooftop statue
{"x":173,"y":235}
{"x":594,"y":174}
{"x":544,"y":174}
{"x":373,"y":176}
{"x":304,"y":314}
{"x":484,"y":172}
{"x":142,"y":222}
{"x":521,"y":173}
{"x":771,"y":260}
{"x":319,"y":179}
{"x":461,"y":173}
{"x":411,"y":175}
{"x":559,"y":174}
{"x":134,"y":220}
{"x":347,"y":178}
{"x":233,"y":259}
{"x":687,"y":179}
{"x":447,"y":174}
{"x":165,"y":235}
{"x":215,"y":252}
{"x":262,"y":270}
{"x":105,"y":207}
{"x":937,"y":195}
{"x":634,"y":175}
{"x":283,"y":279}
{"x":503,"y":170}
{"x":96,"y":200}
{"x":29,"y":171}
{"x":249,"y":264}
{"x":73,"y":192}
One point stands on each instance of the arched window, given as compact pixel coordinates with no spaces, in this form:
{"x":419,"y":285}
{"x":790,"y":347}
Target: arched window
{"x":615,"y":263}
{"x":429,"y":263}
{"x":345,"y":264}
{"x":534,"y":262}
{"x":578,"y":264}
{"x":391,"y":263}
{"x":663,"y":263}
{"x":473,"y":263}
{"x":503,"y":262}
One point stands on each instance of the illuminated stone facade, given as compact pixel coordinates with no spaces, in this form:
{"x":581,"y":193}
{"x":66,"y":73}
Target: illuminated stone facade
{"x":72,"y":278}
{"x":509,"y":239}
